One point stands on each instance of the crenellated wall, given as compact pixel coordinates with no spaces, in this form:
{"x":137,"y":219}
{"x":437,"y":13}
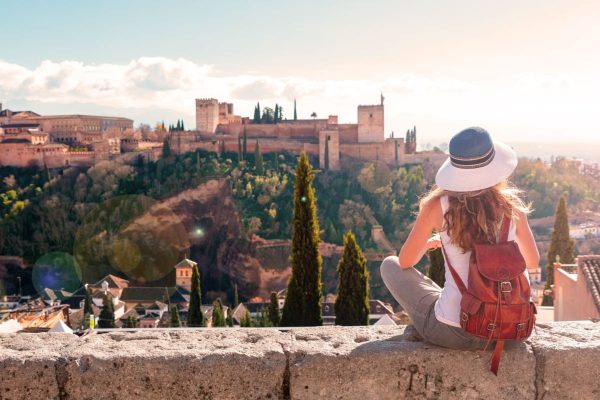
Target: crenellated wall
{"x":560,"y":361}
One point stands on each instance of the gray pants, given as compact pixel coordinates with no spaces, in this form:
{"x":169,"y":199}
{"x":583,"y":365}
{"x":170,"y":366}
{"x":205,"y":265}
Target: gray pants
{"x":417,"y":295}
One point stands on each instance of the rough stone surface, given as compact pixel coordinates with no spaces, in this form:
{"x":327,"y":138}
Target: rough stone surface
{"x":559,"y":362}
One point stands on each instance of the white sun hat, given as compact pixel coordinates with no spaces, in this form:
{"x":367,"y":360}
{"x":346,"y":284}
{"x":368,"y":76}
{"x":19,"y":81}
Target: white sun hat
{"x":476,"y":162}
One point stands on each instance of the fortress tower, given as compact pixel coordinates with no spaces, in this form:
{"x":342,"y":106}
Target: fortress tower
{"x":207,"y":115}
{"x":183,"y":273}
{"x":370,"y":124}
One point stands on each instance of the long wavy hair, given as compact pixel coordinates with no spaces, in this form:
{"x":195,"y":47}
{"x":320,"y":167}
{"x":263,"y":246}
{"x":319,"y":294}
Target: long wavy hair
{"x":474,"y":217}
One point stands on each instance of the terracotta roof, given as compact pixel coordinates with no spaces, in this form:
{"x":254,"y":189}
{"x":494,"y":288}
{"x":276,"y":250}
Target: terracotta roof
{"x":114,"y":282}
{"x":186,"y":263}
{"x":590,"y":268}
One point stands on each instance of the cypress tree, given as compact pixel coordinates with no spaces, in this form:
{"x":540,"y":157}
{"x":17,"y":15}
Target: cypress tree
{"x":218,"y":317}
{"x":236,"y":300}
{"x":240,"y":156}
{"x":229,"y":318}
{"x":87,"y":308}
{"x":198,"y":164}
{"x":396,"y":153}
{"x":295,"y":113}
{"x":263,"y":317}
{"x":303,"y":299}
{"x":175,"y":321}
{"x":47,"y":175}
{"x":107,"y":315}
{"x":276,"y":114}
{"x":182,"y":127}
{"x":274,"y":310}
{"x":276,"y":162}
{"x":245,"y":321}
{"x":166,"y":150}
{"x":436,"y":269}
{"x":258,"y":160}
{"x":561,"y":245}
{"x":131,"y":322}
{"x":352,"y":301}
{"x":195,"y":317}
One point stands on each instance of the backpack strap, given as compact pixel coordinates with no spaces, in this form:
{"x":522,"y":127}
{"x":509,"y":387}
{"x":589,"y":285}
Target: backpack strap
{"x":459,"y":283}
{"x":496,"y":356}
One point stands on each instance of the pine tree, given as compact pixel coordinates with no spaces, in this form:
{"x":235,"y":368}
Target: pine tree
{"x":303,"y":300}
{"x":166,"y":150}
{"x":295,"y":113}
{"x":218,"y":317}
{"x":352,"y":301}
{"x":258,"y":160}
{"x":107,"y":315}
{"x":561,"y":246}
{"x":175,"y":321}
{"x":436,"y":269}
{"x":195,"y":317}
{"x":274,"y":310}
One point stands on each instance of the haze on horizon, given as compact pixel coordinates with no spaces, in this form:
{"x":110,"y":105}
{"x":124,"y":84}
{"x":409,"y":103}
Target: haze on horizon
{"x":526,"y":71}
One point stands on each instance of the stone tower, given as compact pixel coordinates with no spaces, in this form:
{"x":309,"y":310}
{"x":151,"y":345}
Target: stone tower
{"x":332,"y":137}
{"x":370,"y":124}
{"x":207,"y":115}
{"x":183,"y":273}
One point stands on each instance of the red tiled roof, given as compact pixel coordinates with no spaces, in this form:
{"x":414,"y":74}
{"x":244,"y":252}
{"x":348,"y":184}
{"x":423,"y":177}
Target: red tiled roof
{"x":590,"y":268}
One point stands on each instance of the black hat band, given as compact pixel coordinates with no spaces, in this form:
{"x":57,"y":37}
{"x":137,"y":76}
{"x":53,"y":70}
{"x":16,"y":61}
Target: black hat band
{"x":473,"y":162}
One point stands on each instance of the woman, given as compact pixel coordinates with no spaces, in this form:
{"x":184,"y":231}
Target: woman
{"x":467,"y":206}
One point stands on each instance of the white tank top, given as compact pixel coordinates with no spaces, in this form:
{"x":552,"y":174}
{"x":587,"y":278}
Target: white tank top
{"x":447,"y":307}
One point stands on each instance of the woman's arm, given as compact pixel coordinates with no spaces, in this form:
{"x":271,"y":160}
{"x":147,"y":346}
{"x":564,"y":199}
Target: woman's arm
{"x":428,"y":219}
{"x":526,"y":242}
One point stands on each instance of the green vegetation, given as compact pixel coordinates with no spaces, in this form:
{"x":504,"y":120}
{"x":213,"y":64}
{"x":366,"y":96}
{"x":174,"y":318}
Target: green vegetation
{"x":302,"y":305}
{"x":352,"y":301}
{"x":274,"y":310}
{"x":218,"y":316}
{"x":561,"y":246}
{"x":436,"y":270}
{"x":175,"y":321}
{"x":195,"y":316}
{"x":106,"y":319}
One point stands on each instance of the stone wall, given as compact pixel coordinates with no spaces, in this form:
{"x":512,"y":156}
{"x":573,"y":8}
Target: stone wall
{"x":559,"y":362}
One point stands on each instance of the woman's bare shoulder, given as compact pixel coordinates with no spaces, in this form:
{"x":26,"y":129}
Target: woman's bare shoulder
{"x":432,"y":210}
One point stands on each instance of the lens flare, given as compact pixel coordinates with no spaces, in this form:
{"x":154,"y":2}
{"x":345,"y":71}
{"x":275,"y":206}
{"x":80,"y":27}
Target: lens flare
{"x":134,"y":235}
{"x":56,"y":271}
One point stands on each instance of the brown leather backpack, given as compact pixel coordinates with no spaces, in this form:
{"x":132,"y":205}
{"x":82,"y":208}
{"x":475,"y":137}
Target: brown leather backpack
{"x":496,"y":304}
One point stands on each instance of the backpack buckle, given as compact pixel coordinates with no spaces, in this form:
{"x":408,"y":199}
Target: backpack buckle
{"x":464,"y":316}
{"x":520,"y":326}
{"x":505,"y":287}
{"x":491,"y":326}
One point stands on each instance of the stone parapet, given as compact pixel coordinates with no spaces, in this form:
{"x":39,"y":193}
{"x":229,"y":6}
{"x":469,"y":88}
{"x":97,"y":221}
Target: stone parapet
{"x":560,"y":361}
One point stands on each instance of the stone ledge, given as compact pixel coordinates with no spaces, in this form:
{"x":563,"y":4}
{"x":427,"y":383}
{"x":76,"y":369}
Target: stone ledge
{"x":560,"y":361}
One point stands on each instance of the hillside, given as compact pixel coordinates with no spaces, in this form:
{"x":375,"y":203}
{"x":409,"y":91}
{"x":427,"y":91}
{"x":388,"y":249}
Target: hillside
{"x":137,"y":221}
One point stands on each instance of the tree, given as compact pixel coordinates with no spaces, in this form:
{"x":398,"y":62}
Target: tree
{"x":175,"y":321}
{"x":302,"y":305}
{"x":295,"y":113}
{"x":245,"y":321}
{"x":236,"y":299}
{"x":268,"y":116}
{"x":195,"y":317}
{"x":240,"y":154}
{"x":131,"y":322}
{"x":276,"y":114}
{"x":218,"y":316}
{"x":256,"y":118}
{"x":245,"y":145}
{"x":352,"y":301}
{"x":88,"y":311}
{"x":258,"y":160}
{"x":229,"y":318}
{"x":313,"y":115}
{"x":561,"y":246}
{"x":274,"y":310}
{"x":107,"y":315}
{"x":166,"y":150}
{"x":436,"y":269}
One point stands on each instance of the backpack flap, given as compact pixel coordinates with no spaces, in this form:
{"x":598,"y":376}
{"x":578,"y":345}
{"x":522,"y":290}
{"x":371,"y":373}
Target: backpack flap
{"x":499,"y":261}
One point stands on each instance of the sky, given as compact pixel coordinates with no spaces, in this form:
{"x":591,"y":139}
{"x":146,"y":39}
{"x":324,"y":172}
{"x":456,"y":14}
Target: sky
{"x":527,"y":71}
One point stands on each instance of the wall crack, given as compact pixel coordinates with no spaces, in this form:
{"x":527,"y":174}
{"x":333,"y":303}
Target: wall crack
{"x":540,"y":367}
{"x":62,"y":377}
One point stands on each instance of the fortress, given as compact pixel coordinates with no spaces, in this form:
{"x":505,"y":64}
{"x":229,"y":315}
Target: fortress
{"x":333,"y":142}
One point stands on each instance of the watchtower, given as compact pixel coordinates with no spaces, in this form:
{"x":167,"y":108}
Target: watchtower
{"x":370,"y":124}
{"x":207,"y":115}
